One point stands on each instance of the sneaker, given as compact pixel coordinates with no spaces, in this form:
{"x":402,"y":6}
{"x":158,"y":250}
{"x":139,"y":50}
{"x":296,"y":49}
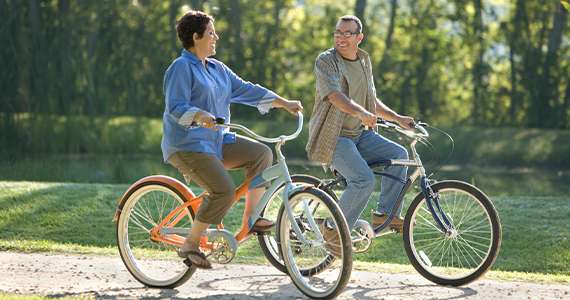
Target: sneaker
{"x":332,"y":241}
{"x":397,"y":222}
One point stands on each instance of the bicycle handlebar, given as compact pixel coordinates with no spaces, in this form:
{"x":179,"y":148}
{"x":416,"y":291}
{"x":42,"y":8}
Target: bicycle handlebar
{"x":420,"y":125}
{"x":282,"y":138}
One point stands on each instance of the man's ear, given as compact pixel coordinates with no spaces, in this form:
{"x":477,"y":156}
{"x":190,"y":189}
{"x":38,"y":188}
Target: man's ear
{"x":360,"y":36}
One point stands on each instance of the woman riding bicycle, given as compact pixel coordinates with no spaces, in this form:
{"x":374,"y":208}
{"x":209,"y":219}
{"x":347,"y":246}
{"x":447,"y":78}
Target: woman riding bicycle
{"x":197,"y":90}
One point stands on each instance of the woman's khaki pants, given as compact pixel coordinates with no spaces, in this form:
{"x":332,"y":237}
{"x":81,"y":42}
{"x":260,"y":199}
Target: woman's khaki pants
{"x":210,"y":173}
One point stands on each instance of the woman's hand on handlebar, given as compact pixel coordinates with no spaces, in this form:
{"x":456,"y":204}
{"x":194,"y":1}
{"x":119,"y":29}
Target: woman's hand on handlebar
{"x":294,"y":107}
{"x":206,"y":120}
{"x":291,"y":106}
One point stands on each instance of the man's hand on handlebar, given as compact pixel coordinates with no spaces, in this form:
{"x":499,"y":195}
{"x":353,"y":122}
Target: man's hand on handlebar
{"x":368,"y":119}
{"x":406,"y":123}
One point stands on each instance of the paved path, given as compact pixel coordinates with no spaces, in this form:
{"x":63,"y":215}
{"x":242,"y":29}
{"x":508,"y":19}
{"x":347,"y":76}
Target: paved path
{"x":107,"y":278}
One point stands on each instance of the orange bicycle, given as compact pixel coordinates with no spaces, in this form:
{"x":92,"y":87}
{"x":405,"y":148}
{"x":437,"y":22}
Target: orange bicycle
{"x":156,"y":213}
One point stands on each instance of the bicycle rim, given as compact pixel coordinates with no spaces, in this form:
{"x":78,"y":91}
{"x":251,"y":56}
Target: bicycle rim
{"x":152,"y":263}
{"x":458,"y":259}
{"x":313,"y":270}
{"x":268,"y":243}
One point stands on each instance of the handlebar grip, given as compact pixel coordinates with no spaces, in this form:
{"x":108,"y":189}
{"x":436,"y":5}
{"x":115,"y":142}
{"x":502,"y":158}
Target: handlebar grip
{"x":220,"y":120}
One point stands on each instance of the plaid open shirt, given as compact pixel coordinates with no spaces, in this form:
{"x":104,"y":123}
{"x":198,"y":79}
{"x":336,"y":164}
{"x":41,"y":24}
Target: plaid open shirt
{"x":326,"y":121}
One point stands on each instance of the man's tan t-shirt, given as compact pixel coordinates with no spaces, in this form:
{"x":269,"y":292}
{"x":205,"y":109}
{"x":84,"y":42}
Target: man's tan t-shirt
{"x":357,"y":86}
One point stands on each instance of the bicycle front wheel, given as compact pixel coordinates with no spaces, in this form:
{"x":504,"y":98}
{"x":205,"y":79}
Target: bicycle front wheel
{"x":314,"y":271}
{"x":152,"y":263}
{"x":461,"y":257}
{"x":268,"y":243}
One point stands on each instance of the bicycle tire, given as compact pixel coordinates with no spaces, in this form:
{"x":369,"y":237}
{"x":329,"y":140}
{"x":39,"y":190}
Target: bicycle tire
{"x":455,"y":260}
{"x":268,"y":243}
{"x":312,"y":269}
{"x":154,"y":264}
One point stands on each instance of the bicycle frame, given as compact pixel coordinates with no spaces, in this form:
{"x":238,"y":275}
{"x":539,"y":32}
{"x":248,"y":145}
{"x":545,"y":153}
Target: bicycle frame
{"x":166,"y":232}
{"x":432,"y":199}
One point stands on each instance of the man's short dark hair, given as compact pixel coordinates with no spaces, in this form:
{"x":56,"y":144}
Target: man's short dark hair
{"x":352,"y":18}
{"x":192,"y":22}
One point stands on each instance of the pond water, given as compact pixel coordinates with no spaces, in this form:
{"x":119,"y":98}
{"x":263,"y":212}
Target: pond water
{"x":123,"y":169}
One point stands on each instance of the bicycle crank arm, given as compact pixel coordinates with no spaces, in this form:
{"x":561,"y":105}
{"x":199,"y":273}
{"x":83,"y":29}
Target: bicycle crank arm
{"x":215,"y":233}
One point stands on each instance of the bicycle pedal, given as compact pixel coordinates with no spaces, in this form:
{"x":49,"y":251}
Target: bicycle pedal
{"x":262,"y":233}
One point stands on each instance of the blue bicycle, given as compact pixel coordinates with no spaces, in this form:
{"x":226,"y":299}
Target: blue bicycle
{"x":451,"y":233}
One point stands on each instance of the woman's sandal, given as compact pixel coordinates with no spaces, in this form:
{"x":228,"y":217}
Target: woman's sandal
{"x":197,"y":253}
{"x":261,"y":229}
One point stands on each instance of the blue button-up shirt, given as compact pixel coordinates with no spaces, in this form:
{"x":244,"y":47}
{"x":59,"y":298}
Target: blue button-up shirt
{"x":188,"y":88}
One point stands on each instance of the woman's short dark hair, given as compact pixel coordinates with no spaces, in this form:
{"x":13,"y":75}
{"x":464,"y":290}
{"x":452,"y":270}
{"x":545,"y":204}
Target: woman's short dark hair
{"x":353,"y":18}
{"x":192,"y":22}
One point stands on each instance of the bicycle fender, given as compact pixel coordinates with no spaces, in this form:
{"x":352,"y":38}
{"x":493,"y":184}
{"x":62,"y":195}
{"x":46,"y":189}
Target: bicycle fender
{"x":173,"y":182}
{"x":298,"y":188}
{"x":226,"y":235}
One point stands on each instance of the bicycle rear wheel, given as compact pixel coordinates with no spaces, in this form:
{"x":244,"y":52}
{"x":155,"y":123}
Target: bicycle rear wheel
{"x":268,"y":243}
{"x":152,"y":263}
{"x":460,"y":258}
{"x":313,"y":270}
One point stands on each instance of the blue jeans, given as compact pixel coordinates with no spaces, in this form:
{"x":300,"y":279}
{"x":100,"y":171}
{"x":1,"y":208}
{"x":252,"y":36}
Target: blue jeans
{"x":351,"y":157}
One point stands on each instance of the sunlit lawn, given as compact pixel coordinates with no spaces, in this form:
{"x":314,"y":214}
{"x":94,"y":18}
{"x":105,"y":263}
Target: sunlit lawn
{"x":77,"y":218}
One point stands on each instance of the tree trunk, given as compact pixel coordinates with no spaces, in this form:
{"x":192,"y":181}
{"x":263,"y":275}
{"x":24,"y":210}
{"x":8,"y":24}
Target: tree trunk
{"x":359,"y":9}
{"x":64,"y":82}
{"x":238,"y":58}
{"x":478,"y":70}
{"x":174,"y":6}
{"x":549,"y":88}
{"x":515,"y":102}
{"x":35,"y":94}
{"x":275,"y":43}
{"x":386,"y":55}
{"x":563,"y":120}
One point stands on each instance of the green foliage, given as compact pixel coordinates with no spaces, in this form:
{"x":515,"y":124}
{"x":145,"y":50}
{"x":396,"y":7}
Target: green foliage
{"x":511,"y":147}
{"x":140,"y":137}
{"x":448,"y":62}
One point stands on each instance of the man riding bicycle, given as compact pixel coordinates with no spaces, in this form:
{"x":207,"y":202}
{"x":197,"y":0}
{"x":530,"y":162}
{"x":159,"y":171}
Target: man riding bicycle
{"x":345,"y":104}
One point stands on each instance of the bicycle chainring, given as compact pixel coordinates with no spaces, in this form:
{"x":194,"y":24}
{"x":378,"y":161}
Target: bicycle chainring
{"x":361,"y":242}
{"x":220,"y":252}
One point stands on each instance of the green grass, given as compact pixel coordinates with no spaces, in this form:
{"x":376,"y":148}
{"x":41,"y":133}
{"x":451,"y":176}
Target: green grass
{"x":76,"y":218}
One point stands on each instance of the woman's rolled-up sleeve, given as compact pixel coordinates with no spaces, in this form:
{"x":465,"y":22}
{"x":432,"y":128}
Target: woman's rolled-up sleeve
{"x":247,"y":93}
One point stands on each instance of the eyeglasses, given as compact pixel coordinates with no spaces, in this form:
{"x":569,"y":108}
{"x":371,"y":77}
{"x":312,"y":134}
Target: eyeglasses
{"x":347,"y":34}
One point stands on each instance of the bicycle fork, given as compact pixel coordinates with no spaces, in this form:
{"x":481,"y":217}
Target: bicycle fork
{"x":439,"y":216}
